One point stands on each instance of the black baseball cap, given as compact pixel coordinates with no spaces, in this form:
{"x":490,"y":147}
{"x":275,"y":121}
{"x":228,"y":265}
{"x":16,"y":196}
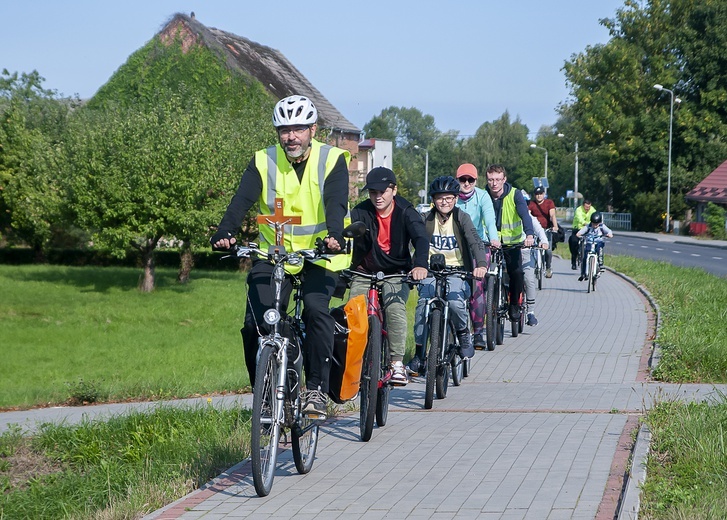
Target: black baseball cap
{"x":379,"y":179}
{"x":538,"y":190}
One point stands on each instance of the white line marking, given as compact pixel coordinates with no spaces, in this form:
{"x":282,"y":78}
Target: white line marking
{"x":717,"y":257}
{"x":677,"y":252}
{"x":695,"y":254}
{"x":659,"y":248}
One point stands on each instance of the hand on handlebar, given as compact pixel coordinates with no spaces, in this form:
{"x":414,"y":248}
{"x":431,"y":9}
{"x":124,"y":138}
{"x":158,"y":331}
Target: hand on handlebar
{"x":479,"y":272}
{"x":418,"y":273}
{"x":529,"y":241}
{"x":332,"y":244}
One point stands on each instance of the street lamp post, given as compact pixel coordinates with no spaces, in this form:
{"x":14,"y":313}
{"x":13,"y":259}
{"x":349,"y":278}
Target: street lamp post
{"x":668,"y":168}
{"x":575,"y":178}
{"x":426,"y":171}
{"x":546,"y":162}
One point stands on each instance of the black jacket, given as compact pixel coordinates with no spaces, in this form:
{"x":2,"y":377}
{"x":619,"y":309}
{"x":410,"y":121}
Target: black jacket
{"x":470,"y":243}
{"x":407,"y":228}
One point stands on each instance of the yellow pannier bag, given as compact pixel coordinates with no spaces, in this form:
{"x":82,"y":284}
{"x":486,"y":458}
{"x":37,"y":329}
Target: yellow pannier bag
{"x":349,"y":344}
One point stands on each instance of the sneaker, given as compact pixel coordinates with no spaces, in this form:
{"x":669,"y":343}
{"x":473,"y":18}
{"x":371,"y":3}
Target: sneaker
{"x":415,"y":367}
{"x":532,"y":320}
{"x":581,"y":278}
{"x":601,"y":268}
{"x":315,"y":405}
{"x":466,"y":350}
{"x":549,"y":273}
{"x":480,"y":342}
{"x":398,"y":374}
{"x":573,"y":267}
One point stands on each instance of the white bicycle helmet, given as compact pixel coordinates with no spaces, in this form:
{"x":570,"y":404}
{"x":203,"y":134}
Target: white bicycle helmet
{"x":294,"y":110}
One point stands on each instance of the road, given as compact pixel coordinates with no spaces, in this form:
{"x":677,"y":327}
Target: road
{"x":683,"y":251}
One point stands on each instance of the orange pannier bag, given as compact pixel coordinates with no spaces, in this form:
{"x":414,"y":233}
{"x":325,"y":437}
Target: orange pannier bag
{"x":349,"y":344}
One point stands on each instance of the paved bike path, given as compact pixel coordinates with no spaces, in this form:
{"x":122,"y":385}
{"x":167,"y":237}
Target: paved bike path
{"x":540,"y":430}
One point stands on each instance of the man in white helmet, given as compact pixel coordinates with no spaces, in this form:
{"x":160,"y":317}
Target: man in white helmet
{"x":312,"y":179}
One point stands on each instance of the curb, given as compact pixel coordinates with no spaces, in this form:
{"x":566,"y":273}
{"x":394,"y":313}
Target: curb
{"x":631,"y":497}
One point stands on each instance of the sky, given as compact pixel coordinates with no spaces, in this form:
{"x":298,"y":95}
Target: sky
{"x":464,"y":62}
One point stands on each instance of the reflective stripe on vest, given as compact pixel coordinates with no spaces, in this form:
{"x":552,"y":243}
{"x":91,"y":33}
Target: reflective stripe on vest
{"x":511,"y":228}
{"x":302,"y":198}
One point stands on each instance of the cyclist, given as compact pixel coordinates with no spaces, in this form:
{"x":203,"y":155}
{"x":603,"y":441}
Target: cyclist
{"x":515,"y":226}
{"x":312,"y":179}
{"x":528,"y":260}
{"x":452,"y":234}
{"x":580,"y":219}
{"x":393,"y":224}
{"x":544,"y":210}
{"x":478,"y":205}
{"x":596,"y":229}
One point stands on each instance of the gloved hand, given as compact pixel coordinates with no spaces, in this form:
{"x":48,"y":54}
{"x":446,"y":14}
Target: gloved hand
{"x":222,"y":240}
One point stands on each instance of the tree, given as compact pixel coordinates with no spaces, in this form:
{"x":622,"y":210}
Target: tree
{"x":32,"y":126}
{"x":140,"y":174}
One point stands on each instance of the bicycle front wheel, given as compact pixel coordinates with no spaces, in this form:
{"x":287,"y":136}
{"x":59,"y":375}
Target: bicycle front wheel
{"x":370,"y":373}
{"x":435,"y":341}
{"x":539,"y":269}
{"x":382,"y":399}
{"x":491,"y":302}
{"x":591,"y":272}
{"x":265,"y":422}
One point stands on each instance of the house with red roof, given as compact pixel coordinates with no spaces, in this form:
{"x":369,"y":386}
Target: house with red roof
{"x":712,"y":189}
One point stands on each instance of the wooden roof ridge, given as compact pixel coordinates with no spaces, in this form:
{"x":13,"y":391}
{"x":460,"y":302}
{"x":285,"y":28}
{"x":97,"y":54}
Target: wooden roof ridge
{"x":713,"y":187}
{"x":269,"y":66}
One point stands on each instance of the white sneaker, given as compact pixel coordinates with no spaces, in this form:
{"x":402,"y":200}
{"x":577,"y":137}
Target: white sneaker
{"x":398,"y":374}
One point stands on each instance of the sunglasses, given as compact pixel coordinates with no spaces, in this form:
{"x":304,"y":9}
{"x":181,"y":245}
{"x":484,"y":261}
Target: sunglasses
{"x":467,"y":180}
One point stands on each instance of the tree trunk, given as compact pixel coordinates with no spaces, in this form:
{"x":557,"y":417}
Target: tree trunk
{"x":147,"y":280}
{"x":186,"y":262}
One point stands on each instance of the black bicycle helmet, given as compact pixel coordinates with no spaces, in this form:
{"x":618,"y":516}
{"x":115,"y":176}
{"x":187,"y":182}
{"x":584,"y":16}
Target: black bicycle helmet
{"x":596,"y":218}
{"x":444,"y":184}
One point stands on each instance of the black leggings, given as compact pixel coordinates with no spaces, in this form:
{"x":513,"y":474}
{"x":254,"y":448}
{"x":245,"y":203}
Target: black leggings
{"x":317,"y":289}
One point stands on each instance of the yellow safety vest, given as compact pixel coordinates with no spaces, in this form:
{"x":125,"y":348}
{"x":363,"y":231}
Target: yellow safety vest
{"x":302,"y":199}
{"x":511,"y":226}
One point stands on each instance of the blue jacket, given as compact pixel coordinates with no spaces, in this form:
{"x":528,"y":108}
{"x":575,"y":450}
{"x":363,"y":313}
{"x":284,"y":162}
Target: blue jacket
{"x":480,"y":209}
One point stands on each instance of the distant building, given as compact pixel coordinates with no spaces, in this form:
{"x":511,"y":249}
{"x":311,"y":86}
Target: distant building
{"x":712,"y":189}
{"x":273,"y":70}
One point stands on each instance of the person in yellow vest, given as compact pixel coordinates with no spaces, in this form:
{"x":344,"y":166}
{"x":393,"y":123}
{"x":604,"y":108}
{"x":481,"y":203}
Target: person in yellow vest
{"x":581,"y":217}
{"x":515,"y":226}
{"x":312,"y":179}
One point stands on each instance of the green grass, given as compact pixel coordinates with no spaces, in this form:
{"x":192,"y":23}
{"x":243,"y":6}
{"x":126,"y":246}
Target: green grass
{"x":687,"y":465}
{"x":693,"y":304}
{"x":122,"y":468}
{"x":88,"y":332}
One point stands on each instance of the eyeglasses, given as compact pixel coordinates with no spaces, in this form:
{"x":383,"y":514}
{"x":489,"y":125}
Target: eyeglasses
{"x":495,"y":181}
{"x":449,"y":199}
{"x":292,"y":130}
{"x":467,"y":180}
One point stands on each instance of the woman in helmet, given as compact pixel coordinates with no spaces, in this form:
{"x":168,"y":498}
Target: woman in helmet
{"x":452,"y":234}
{"x":596,"y":230}
{"x":312,"y":180}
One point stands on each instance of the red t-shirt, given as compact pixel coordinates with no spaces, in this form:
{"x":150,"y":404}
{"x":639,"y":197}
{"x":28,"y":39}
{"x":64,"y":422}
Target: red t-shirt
{"x":542,"y":212}
{"x":384,"y":238}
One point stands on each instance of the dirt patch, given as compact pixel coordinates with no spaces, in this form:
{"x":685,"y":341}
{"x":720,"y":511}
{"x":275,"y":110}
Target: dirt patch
{"x":24,"y":465}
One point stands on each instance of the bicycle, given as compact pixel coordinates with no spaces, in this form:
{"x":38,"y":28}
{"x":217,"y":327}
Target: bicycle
{"x":498,"y":300}
{"x":277,"y":403}
{"x":440,"y":339}
{"x":592,"y":269}
{"x":539,"y":264}
{"x":375,"y":373}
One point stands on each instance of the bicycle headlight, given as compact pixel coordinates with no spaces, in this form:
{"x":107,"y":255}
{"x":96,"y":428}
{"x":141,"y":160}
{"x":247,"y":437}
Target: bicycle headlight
{"x":271,"y":316}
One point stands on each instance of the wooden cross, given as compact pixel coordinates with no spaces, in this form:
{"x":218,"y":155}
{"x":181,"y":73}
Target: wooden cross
{"x":278,"y":220}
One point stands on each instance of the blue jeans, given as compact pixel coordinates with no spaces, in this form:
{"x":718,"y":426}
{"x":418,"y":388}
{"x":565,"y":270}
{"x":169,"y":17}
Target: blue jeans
{"x":599,"y":252}
{"x":458,"y":292}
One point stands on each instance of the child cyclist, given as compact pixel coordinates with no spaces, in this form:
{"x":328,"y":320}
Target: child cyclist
{"x":596,"y":230}
{"x":452,"y":234}
{"x":393,"y":225}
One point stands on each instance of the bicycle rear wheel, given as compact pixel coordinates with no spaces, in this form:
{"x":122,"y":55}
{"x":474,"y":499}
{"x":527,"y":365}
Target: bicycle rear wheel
{"x":370,"y":379}
{"x":502,"y":310}
{"x":456,"y":363}
{"x":466,"y":368}
{"x":491,"y":302}
{"x":435,"y":342}
{"x":539,"y":268}
{"x":304,"y":438}
{"x":443,"y":366}
{"x":384,"y":390}
{"x":265,"y":422}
